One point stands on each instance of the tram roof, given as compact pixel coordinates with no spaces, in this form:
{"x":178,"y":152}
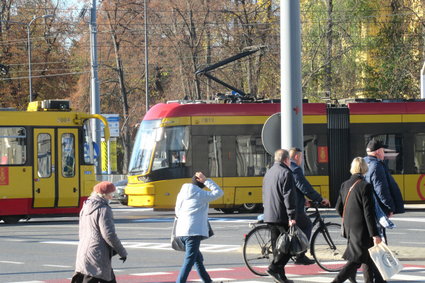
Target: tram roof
{"x":176,"y":109}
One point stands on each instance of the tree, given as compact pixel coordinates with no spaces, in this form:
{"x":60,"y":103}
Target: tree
{"x":51,"y":71}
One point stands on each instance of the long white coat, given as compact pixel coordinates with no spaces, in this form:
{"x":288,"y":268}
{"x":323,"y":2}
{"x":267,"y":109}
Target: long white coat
{"x":192,"y":208}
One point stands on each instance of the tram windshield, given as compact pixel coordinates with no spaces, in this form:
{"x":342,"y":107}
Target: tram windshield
{"x":143,"y":147}
{"x":167,"y":146}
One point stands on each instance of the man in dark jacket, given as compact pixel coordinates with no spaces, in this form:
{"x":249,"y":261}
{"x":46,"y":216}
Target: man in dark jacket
{"x":385,"y":188}
{"x":279,"y":208}
{"x":304,"y":188}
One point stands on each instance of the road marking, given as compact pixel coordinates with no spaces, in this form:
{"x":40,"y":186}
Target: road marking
{"x":403,"y":277}
{"x":408,"y":219}
{"x":73,"y":243}
{"x":59,"y":266}
{"x":215,"y":279}
{"x":11,"y":262}
{"x":314,"y":279}
{"x":209,"y":248}
{"x":219,"y":269}
{"x":131,"y":209}
{"x":416,"y":230}
{"x":151,"y":273}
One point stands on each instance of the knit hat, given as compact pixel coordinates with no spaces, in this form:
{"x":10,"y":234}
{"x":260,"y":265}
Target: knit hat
{"x":104,"y":188}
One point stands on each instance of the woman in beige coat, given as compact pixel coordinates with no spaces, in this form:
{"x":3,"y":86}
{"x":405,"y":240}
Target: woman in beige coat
{"x":98,"y":240}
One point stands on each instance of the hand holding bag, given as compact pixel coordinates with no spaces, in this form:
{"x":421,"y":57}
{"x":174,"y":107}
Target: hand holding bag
{"x":176,"y":242}
{"x":298,"y":241}
{"x":387,"y":264}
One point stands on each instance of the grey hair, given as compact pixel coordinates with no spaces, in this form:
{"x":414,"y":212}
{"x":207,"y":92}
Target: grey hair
{"x":281,"y":155}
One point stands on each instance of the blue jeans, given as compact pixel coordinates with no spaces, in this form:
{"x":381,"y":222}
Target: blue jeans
{"x":193,"y":256}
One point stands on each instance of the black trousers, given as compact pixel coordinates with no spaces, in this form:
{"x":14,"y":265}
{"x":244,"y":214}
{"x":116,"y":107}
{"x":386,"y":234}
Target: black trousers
{"x":279,"y":259}
{"x":350,"y":269}
{"x":82,"y":278}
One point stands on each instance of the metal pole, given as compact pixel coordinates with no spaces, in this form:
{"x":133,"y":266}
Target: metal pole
{"x":29,"y":50}
{"x":423,"y":81}
{"x":95,"y":90}
{"x":290,"y":71}
{"x":146,"y":56}
{"x":29,"y":58}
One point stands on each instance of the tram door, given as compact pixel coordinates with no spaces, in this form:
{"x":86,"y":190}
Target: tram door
{"x":44,"y":168}
{"x":56,"y":174}
{"x":68,"y":173}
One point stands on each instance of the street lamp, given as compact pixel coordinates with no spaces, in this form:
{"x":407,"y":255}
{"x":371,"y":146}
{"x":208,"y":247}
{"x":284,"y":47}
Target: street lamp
{"x":29,"y":49}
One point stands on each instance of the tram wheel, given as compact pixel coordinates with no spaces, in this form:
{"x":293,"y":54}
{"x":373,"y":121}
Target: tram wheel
{"x":250,"y":207}
{"x":227,"y":210}
{"x":13,"y":219}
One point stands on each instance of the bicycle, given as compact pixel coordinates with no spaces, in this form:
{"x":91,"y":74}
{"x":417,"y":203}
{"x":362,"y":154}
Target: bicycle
{"x":326,"y":245}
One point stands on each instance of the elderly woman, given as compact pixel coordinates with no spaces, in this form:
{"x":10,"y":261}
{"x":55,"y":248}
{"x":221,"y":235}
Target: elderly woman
{"x":98,"y":240}
{"x":355,"y":205}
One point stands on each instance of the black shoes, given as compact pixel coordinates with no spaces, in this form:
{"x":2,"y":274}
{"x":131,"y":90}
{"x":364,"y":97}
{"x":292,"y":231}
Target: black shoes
{"x":304,"y":260}
{"x":278,"y":277}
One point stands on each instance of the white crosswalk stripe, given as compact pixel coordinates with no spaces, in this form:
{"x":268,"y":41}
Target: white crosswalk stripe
{"x":208,"y":248}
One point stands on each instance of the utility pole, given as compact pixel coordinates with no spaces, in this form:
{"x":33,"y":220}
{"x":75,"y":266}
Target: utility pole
{"x":290,"y":75}
{"x":146,"y":56}
{"x":95,"y":89}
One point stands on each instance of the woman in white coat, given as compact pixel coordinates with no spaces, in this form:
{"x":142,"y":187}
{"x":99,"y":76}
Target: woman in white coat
{"x":192,"y":222}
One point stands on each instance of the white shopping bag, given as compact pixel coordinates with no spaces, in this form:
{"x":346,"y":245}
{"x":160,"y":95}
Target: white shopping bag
{"x":387,"y":264}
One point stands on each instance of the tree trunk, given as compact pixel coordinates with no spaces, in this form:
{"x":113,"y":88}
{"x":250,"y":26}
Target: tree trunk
{"x":125,"y":129}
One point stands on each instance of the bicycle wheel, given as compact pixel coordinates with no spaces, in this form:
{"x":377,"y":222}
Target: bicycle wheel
{"x":257,"y":250}
{"x":328,"y":246}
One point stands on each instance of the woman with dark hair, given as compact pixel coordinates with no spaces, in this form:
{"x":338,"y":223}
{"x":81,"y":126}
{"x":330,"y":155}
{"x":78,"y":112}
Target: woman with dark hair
{"x":355,"y":205}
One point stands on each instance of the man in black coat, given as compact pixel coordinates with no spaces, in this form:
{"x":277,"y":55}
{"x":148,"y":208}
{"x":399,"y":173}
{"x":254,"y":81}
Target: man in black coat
{"x":304,"y":188}
{"x":279,"y":201}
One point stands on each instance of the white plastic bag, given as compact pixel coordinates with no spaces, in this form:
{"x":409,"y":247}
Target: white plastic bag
{"x":387,"y":264}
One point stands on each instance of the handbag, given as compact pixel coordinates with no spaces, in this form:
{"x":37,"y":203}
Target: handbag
{"x":283,"y":242}
{"x":298,"y":241}
{"x":381,"y":217}
{"x":176,"y":242}
{"x":210,"y":230}
{"x":387,"y":264}
{"x":343,"y":209}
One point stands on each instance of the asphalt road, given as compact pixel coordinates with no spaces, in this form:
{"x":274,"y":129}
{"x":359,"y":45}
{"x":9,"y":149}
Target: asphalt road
{"x":43,"y":250}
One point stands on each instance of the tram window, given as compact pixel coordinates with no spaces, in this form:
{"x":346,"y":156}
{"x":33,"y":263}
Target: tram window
{"x":394,"y":153}
{"x":143,"y":146}
{"x":44,"y":155}
{"x":215,"y":156}
{"x":311,"y":166}
{"x":420,"y":153}
{"x":13,"y":146}
{"x":68,"y":155}
{"x":172,"y":148}
{"x":251,"y":157}
{"x":89,"y":149}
